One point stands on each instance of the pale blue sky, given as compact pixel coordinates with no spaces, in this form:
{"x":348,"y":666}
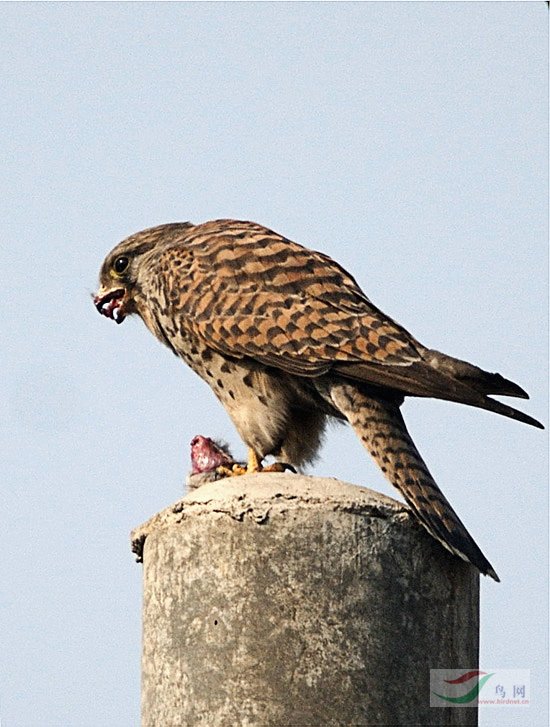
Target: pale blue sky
{"x":407,"y":140}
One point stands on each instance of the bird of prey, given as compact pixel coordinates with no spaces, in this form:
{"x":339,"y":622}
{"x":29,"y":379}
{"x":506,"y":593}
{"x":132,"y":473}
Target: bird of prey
{"x":287,"y":340}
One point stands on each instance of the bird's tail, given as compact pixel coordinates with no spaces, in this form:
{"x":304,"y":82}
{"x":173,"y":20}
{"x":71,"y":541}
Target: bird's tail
{"x":381,"y":428}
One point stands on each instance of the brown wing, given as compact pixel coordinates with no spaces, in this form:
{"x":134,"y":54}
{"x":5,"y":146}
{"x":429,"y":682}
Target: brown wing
{"x":250,"y":292}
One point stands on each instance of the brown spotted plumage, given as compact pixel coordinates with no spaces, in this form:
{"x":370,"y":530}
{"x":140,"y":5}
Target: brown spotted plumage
{"x":286,"y":339}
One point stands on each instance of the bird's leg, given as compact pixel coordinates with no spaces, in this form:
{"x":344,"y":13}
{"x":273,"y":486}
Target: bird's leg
{"x":254,"y":462}
{"x":237,"y":469}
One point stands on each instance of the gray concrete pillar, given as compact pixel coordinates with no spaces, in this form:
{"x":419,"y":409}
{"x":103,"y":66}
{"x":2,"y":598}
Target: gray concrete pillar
{"x":288,"y":600}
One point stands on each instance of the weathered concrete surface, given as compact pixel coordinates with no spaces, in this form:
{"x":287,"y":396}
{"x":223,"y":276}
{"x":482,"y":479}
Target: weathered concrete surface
{"x":288,"y":600}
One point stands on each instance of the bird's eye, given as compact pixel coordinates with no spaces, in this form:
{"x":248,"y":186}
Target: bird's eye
{"x":120,"y":264}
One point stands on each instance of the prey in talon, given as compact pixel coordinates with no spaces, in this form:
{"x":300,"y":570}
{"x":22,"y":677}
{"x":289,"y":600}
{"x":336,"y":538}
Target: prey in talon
{"x":212,"y":460}
{"x":288,"y":341}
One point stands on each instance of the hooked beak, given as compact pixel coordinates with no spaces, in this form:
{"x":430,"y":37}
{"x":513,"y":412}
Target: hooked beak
{"x":110,"y":303}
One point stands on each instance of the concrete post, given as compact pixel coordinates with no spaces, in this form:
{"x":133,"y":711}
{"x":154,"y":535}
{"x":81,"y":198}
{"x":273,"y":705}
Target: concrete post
{"x":288,"y":600}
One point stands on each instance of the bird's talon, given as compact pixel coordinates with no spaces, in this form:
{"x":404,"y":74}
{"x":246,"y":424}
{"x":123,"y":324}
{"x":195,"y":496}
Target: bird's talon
{"x":224,"y":471}
{"x":237,"y":470}
{"x":279,"y":467}
{"x":234,"y":471}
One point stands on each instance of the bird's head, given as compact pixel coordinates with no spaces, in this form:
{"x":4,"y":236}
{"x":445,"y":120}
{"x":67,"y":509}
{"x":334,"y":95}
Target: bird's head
{"x":118,"y":279}
{"x":123,"y":269}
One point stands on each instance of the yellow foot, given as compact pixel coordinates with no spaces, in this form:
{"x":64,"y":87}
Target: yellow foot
{"x":254,"y":465}
{"x":234,"y":471}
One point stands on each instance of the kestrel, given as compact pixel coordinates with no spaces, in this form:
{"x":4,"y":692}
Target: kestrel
{"x":287,"y":340}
